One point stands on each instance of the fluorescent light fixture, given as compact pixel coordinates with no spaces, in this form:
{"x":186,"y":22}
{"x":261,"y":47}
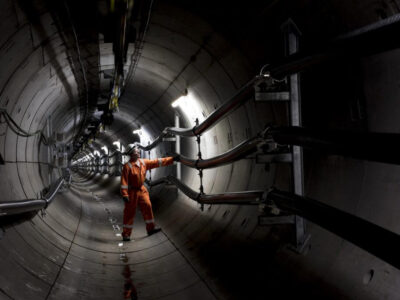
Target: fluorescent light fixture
{"x":137,"y":131}
{"x":190,"y":107}
{"x":178,"y":101}
{"x":120,"y":244}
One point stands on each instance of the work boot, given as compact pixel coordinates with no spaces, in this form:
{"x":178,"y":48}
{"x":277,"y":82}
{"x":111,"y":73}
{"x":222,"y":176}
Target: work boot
{"x":153,"y":231}
{"x":126,"y":238}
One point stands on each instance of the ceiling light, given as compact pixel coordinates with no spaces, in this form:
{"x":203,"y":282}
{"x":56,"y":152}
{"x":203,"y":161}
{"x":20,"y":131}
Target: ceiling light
{"x":178,"y":101}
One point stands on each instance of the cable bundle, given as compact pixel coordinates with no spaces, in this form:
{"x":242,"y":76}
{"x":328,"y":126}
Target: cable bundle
{"x":18,"y":130}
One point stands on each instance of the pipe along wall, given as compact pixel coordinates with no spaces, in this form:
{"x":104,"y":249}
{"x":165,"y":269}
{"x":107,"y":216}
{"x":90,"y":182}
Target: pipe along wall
{"x":220,"y":252}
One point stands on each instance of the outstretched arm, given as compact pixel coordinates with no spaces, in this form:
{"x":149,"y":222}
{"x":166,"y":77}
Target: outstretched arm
{"x":159,"y":162}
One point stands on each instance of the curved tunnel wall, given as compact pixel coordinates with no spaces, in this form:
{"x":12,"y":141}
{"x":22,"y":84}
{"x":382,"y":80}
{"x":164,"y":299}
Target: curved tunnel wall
{"x":230,"y":255}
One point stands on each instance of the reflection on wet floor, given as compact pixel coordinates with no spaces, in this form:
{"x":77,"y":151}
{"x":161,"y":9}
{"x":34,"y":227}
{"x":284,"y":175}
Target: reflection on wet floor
{"x":98,"y":264}
{"x":129,"y":288}
{"x":130,"y":291}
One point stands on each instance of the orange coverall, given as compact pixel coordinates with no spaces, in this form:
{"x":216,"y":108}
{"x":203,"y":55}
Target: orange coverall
{"x":132,"y":179}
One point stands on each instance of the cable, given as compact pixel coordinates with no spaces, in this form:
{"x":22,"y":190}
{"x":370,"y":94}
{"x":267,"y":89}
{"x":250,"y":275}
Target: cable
{"x":132,"y":67}
{"x":18,"y":130}
{"x":68,"y":252}
{"x":82,"y":68}
{"x":262,"y":70}
{"x":2,"y":122}
{"x":267,"y":74}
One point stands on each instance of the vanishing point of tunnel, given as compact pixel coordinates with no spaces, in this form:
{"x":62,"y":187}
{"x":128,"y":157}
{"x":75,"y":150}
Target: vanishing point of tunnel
{"x":274,"y":126}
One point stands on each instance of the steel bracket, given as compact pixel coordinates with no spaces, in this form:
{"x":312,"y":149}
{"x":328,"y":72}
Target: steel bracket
{"x":272,"y":90}
{"x":273,"y":158}
{"x":272,"y":96}
{"x":291,"y":35}
{"x":275,"y":220}
{"x":170,"y":139}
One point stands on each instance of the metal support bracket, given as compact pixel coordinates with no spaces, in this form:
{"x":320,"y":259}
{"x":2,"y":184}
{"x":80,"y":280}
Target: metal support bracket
{"x":302,"y":237}
{"x":291,"y":37}
{"x":271,"y":89}
{"x":271,"y":96}
{"x":198,"y":140}
{"x":274,"y":158}
{"x":171,"y":139}
{"x":178,"y":148}
{"x":276,"y":220}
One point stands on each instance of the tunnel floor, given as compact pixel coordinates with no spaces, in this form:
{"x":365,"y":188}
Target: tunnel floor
{"x":93,"y":262}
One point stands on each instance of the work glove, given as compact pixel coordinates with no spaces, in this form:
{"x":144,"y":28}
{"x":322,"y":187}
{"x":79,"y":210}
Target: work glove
{"x":176,"y":156}
{"x":125,"y":199}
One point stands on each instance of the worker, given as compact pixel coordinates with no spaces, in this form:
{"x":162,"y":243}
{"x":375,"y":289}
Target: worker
{"x":134,"y":193}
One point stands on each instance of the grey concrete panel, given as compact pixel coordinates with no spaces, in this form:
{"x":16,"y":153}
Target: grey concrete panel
{"x":26,"y":181}
{"x":16,"y":44}
{"x":51,"y":249}
{"x":219,"y":252}
{"x":9,"y":19}
{"x":32,"y":287}
{"x":36,"y":264}
{"x":11,"y":184}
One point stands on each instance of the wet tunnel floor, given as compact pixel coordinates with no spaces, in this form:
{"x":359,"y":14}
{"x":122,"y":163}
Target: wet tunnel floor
{"x":79,"y":254}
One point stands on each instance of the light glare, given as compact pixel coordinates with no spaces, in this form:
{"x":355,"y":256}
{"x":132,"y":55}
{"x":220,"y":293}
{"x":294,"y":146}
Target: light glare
{"x":190,"y":107}
{"x":178,"y":101}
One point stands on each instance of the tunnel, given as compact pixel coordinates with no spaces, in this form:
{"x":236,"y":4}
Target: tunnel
{"x":82,"y":82}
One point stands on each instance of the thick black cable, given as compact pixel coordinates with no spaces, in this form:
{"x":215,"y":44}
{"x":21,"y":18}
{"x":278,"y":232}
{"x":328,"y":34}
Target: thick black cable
{"x":19,"y":131}
{"x":136,"y":54}
{"x":82,"y":69}
{"x":68,"y":252}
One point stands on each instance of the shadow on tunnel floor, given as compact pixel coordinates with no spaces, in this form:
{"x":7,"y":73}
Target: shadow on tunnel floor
{"x":246,"y":268}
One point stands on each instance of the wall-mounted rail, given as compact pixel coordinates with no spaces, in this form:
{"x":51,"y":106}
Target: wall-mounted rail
{"x":17,"y":207}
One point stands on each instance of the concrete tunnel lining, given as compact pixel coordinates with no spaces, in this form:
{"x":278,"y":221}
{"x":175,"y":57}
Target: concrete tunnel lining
{"x":218,"y":253}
